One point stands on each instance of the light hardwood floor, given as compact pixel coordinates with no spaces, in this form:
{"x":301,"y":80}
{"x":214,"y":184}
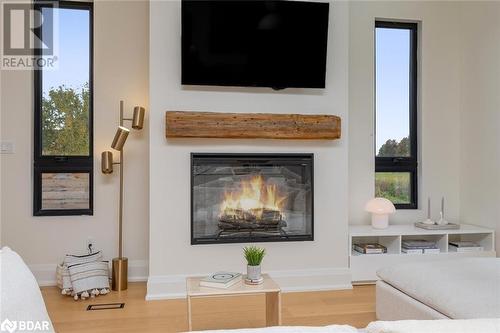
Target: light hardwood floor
{"x":355,"y":307}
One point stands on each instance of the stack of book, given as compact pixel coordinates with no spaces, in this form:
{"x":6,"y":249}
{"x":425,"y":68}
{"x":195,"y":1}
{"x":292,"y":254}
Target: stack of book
{"x":369,"y":248}
{"x":419,"y":246}
{"x":222,"y":280}
{"x":462,"y":246}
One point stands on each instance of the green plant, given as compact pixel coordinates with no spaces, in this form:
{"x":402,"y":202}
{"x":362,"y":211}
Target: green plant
{"x":254,"y":255}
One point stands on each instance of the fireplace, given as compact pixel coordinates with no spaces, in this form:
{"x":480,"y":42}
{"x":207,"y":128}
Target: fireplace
{"x":239,"y":198}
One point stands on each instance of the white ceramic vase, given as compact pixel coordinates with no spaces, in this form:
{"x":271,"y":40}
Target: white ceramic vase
{"x":253,"y":272}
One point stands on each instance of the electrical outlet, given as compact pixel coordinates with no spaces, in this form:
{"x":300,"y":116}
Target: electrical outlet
{"x":7,"y":147}
{"x":90,"y":244}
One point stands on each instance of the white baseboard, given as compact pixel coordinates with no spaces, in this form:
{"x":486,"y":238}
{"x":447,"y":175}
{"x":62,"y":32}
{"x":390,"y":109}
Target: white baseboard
{"x":45,"y":274}
{"x":174,"y":286}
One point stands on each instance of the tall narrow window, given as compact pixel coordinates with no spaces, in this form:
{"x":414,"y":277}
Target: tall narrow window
{"x":63,"y":152}
{"x":396,"y":113}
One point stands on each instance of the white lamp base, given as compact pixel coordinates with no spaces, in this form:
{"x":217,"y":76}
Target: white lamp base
{"x":380,"y":221}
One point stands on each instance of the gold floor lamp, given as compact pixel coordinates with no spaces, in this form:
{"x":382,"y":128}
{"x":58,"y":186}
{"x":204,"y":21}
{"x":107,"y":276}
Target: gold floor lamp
{"x":120,"y":264}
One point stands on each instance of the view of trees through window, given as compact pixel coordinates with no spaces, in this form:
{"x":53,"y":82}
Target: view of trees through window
{"x":395,"y":160}
{"x":65,"y":90}
{"x":63,"y":164}
{"x":394,"y":148}
{"x":65,"y":121}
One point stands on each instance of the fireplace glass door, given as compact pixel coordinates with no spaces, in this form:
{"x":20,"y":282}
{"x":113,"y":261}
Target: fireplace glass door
{"x":238,"y":198}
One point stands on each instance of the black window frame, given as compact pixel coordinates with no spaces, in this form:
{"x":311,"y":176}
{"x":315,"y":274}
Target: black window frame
{"x":405,"y":164}
{"x":61,"y":164}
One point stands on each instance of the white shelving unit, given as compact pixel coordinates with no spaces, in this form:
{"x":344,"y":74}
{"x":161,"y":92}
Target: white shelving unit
{"x":364,"y":266}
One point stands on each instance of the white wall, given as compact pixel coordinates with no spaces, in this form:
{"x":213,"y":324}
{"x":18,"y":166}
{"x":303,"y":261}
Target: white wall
{"x":439,"y":116}
{"x":121,"y":72}
{"x":480,"y":117}
{"x":298,"y":265}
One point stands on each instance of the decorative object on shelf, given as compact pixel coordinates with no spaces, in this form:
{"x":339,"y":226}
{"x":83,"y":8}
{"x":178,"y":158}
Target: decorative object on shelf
{"x":369,"y":248}
{"x":428,"y":221}
{"x":380,"y":209}
{"x":442,"y":221}
{"x":442,"y":224}
{"x":465,"y":246}
{"x":120,"y":264}
{"x":222,"y":280}
{"x":449,"y":226}
{"x":419,"y":246}
{"x":83,"y":276}
{"x":254,"y":256}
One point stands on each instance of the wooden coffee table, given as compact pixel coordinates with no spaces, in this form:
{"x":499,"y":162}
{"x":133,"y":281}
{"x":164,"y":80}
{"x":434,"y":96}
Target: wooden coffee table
{"x":269,"y":288}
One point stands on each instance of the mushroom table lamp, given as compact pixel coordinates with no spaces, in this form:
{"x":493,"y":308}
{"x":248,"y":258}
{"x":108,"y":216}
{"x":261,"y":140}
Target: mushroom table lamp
{"x":380,"y":209}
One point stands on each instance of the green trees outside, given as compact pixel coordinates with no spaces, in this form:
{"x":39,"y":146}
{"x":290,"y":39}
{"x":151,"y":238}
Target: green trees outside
{"x":393,"y":148}
{"x":65,"y":121}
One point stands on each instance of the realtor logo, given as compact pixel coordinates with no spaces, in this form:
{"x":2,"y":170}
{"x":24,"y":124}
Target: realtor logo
{"x":23,"y":25}
{"x":8,"y":326}
{"x":24,"y":326}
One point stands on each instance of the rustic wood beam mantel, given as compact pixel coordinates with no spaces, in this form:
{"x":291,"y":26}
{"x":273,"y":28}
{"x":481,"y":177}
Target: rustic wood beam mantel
{"x":187,"y":124}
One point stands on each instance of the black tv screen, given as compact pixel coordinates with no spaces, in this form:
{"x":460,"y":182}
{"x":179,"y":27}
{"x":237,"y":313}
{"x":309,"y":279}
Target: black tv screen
{"x":260,"y":43}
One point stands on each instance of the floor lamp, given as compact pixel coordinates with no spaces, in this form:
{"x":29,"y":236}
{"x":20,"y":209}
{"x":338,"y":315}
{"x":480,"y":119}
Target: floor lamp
{"x":120,"y":264}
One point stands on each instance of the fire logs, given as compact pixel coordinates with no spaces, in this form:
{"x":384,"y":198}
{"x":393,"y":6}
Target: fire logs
{"x":257,"y":218}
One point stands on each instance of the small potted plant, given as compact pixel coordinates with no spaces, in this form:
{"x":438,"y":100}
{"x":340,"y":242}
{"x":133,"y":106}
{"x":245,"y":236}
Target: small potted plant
{"x":254,"y":256}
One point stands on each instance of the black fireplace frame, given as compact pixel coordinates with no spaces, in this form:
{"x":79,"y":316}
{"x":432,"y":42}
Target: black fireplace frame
{"x":252,"y":156}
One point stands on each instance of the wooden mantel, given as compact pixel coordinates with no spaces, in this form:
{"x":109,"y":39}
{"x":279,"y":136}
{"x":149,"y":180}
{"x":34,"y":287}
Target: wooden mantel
{"x":187,"y":124}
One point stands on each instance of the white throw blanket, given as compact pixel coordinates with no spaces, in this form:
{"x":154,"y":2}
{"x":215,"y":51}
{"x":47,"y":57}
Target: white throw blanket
{"x":293,"y":329}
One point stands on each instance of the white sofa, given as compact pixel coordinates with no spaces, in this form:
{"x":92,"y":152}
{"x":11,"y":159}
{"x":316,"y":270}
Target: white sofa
{"x":465,"y":288}
{"x":21,"y":301}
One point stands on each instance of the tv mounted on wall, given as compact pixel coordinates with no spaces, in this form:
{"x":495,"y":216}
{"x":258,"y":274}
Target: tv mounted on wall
{"x":264,"y":43}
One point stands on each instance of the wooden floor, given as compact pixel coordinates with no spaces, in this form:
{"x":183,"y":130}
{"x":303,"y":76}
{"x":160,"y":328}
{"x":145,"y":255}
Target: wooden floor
{"x":354,"y":307}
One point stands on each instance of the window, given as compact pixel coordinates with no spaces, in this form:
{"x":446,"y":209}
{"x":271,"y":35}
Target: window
{"x":63,"y":154}
{"x":396,"y":113}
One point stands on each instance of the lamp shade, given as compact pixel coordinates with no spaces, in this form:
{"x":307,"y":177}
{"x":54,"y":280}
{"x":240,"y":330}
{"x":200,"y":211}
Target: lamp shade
{"x":138,"y":118}
{"x":107,"y":162}
{"x":380,"y":209}
{"x":120,"y":138}
{"x":380,"y":206}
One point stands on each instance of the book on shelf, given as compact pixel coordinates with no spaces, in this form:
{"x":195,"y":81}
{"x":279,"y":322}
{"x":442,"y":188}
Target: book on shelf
{"x":369,"y":248}
{"x":222,"y":280}
{"x":419,"y":244}
{"x":463,"y":249}
{"x":432,"y":251}
{"x":412,"y":251}
{"x":463,"y":244}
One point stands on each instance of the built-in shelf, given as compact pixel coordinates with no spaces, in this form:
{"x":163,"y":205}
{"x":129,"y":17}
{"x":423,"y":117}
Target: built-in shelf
{"x":364,"y":266}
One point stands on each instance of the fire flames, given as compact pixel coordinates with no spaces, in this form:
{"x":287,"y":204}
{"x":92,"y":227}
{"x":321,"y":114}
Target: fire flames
{"x":255,"y":199}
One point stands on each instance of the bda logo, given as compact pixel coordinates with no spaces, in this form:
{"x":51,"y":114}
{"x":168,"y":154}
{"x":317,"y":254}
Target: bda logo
{"x":8,"y":326}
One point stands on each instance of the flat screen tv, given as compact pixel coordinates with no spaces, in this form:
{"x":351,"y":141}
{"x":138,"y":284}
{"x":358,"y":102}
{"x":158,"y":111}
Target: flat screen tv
{"x":260,"y":43}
